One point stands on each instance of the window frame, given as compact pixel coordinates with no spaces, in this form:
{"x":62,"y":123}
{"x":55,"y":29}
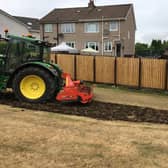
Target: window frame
{"x":129,"y":35}
{"x":93,"y":42}
{"x":48,"y":29}
{"x":70,"y":42}
{"x":64,"y":29}
{"x":117,"y":26}
{"x":86,"y":27}
{"x":109,"y":43}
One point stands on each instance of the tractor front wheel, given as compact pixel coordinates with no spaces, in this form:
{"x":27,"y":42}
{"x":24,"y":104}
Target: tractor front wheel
{"x":34,"y":84}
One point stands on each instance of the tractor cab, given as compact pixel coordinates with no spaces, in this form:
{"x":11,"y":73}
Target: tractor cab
{"x":3,"y":51}
{"x":15,"y":50}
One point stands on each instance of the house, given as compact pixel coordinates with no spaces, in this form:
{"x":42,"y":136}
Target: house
{"x":108,"y":29}
{"x":19,"y":25}
{"x":33,"y":24}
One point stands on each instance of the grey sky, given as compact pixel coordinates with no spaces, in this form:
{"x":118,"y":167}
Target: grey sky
{"x":151,"y":15}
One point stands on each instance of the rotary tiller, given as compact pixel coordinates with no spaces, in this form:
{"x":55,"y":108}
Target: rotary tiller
{"x":74,"y":91}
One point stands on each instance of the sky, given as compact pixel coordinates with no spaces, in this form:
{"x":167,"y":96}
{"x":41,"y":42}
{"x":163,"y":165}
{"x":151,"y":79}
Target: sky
{"x":151,"y":15}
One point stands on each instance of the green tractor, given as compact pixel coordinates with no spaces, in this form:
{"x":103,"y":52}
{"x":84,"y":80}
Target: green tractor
{"x":25,"y":67}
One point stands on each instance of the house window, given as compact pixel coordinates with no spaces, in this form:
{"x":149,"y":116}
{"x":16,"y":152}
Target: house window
{"x":93,"y":45}
{"x":68,"y":28}
{"x":48,"y":28}
{"x":114,"y":26}
{"x":92,"y":27}
{"x":71,"y":44}
{"x":107,"y":46}
{"x":128,"y":35}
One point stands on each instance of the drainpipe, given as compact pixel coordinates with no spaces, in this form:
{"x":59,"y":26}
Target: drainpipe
{"x":102,"y":37}
{"x":57,"y":33}
{"x":43,"y":32}
{"x":119,"y":35}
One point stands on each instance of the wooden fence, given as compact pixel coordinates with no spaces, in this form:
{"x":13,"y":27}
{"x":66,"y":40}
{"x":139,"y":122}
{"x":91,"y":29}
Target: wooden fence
{"x":134,"y":72}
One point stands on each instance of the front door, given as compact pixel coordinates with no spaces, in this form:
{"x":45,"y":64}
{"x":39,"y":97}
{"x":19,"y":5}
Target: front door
{"x":118,"y":50}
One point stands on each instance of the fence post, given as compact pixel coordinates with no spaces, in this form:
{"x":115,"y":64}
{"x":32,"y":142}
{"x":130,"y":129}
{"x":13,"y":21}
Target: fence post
{"x":140,"y":74}
{"x":115,"y":71}
{"x":56,"y":59}
{"x":94,"y":69}
{"x":75,"y":67}
{"x":166,"y":73}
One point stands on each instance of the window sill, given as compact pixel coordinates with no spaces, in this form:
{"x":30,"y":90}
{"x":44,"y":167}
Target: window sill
{"x":108,"y":51}
{"x":92,"y":32}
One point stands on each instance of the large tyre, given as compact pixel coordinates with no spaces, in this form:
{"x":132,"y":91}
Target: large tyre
{"x":34,"y":84}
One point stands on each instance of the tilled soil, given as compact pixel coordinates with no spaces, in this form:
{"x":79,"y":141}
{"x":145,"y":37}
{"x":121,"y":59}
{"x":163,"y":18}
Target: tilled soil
{"x":98,"y":110}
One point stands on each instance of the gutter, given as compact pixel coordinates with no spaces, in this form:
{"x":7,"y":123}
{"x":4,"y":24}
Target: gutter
{"x":104,"y":19}
{"x":82,"y":20}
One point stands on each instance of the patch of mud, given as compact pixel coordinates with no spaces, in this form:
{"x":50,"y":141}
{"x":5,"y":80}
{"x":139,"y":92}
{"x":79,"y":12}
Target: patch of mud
{"x":97,"y":110}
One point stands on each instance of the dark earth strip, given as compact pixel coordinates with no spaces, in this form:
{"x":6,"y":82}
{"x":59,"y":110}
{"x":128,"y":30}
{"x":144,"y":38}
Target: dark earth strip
{"x":97,"y":110}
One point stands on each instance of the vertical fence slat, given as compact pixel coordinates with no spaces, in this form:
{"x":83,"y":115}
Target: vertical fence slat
{"x":153,"y":73}
{"x":94,"y":69}
{"x":53,"y":58}
{"x":105,"y":69}
{"x":84,"y":65}
{"x":128,"y":71}
{"x":66,"y":62}
{"x":166,"y":76}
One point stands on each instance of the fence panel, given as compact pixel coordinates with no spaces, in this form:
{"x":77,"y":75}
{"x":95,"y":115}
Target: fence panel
{"x":66,"y":62}
{"x":127,"y":71}
{"x":149,"y":73}
{"x":105,"y":69}
{"x":84,"y":68}
{"x":153,"y":73}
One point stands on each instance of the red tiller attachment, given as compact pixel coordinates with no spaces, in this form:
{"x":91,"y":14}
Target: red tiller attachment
{"x":74,"y":91}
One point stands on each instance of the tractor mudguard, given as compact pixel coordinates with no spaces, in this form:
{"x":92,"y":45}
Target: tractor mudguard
{"x":53,"y":69}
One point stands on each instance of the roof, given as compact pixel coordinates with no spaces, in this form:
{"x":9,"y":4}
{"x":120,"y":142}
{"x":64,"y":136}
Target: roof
{"x":86,"y":13}
{"x":32,"y":23}
{"x":24,"y":21}
{"x":10,"y":16}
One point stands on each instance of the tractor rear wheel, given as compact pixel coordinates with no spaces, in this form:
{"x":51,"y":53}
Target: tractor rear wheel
{"x":34,"y":84}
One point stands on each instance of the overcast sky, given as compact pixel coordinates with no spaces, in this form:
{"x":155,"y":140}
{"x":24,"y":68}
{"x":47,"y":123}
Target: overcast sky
{"x":151,"y":15}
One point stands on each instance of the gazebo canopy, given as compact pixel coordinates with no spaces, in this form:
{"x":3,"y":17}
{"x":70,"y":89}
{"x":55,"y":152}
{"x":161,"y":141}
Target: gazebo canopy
{"x":63,"y":47}
{"x":89,"y":50}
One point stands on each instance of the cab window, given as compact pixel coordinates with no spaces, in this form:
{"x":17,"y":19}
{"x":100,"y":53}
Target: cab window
{"x":3,"y":47}
{"x":46,"y":54}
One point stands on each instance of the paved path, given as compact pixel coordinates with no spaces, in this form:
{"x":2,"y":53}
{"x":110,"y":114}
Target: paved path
{"x":131,"y":98}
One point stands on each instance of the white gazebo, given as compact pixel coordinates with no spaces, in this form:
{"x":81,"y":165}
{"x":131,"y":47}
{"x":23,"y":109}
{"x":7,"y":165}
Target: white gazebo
{"x":63,"y":47}
{"x":89,"y":51}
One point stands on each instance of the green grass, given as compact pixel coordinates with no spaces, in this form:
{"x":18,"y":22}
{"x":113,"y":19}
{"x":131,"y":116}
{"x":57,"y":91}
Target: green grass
{"x":150,"y":150}
{"x":133,"y":89}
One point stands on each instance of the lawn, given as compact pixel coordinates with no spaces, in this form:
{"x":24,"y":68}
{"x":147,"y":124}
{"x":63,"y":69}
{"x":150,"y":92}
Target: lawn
{"x":142,"y":98}
{"x":33,"y":139}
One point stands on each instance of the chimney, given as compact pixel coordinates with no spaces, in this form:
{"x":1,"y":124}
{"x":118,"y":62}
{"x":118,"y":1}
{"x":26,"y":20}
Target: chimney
{"x":91,"y":4}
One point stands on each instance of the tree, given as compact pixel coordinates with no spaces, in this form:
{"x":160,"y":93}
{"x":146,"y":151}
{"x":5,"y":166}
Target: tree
{"x":156,"y":48}
{"x":165,"y":45}
{"x":142,"y":49}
